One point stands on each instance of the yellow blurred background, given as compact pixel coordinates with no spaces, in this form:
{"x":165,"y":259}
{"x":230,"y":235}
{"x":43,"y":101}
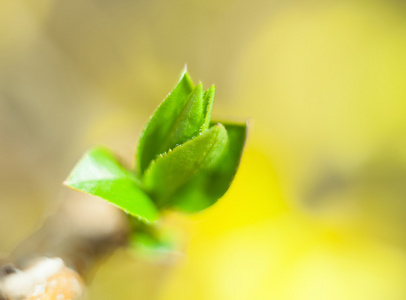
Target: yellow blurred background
{"x":318,"y":207}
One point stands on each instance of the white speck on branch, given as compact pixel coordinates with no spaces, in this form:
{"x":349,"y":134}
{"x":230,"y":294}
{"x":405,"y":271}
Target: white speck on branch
{"x":55,"y":261}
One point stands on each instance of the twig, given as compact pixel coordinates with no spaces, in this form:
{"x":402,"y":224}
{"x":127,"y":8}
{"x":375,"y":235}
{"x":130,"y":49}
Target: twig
{"x":56,"y":260}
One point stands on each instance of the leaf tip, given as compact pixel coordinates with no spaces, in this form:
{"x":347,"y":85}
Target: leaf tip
{"x":185,"y":75}
{"x":184,"y":71}
{"x":199,"y":87}
{"x":212,"y":88}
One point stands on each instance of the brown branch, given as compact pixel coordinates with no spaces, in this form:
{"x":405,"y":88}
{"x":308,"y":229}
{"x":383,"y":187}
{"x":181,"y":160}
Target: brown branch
{"x":58,"y":258}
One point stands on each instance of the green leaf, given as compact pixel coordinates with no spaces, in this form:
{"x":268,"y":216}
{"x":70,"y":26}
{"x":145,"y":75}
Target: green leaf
{"x":148,"y":244}
{"x":178,"y":119}
{"x":150,"y":241}
{"x":206,"y":188}
{"x":173,"y":170}
{"x":189,"y":123}
{"x":99,"y":173}
{"x":208,"y":99}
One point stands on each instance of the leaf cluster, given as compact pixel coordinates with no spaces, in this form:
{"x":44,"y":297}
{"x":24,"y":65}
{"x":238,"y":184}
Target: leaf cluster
{"x":184,"y":161}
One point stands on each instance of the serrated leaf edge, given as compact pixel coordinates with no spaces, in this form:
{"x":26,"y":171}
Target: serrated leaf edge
{"x":170,"y":151}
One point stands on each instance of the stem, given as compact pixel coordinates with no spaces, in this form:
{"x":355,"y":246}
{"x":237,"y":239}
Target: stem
{"x":61,"y":256}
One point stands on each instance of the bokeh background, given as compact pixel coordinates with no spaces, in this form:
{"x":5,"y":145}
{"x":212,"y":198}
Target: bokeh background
{"x":318,"y":207}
